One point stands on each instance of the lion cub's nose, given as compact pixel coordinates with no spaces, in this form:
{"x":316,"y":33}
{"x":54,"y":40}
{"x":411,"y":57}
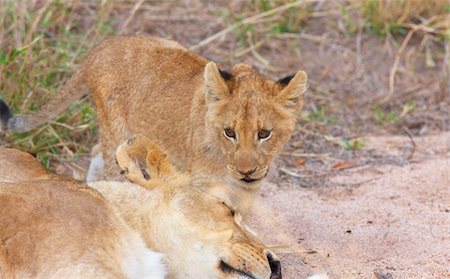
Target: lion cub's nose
{"x":275,"y":267}
{"x":247,"y":172}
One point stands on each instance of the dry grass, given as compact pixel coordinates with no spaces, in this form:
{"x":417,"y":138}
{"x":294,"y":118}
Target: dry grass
{"x":41,"y":43}
{"x":399,"y":16}
{"x":406,"y":17}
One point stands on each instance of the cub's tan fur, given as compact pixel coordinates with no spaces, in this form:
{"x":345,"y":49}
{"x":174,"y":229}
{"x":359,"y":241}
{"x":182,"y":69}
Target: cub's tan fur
{"x":54,"y":227}
{"x":186,"y":105}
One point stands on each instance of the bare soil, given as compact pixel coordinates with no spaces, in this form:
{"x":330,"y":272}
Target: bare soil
{"x":381,"y":221}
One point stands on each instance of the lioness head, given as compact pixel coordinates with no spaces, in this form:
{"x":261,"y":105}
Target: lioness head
{"x":211,"y":241}
{"x":251,"y":116}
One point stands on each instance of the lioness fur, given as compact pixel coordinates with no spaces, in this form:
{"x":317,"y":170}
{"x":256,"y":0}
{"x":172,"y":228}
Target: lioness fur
{"x":227,"y":125}
{"x":54,"y":227}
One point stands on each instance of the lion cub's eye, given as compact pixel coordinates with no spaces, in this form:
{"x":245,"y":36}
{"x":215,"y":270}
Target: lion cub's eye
{"x":230,"y":133}
{"x":264,"y":134}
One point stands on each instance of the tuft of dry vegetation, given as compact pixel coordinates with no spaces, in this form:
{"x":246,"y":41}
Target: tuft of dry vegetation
{"x":398,"y":16}
{"x":40,"y":43}
{"x":360,"y":82}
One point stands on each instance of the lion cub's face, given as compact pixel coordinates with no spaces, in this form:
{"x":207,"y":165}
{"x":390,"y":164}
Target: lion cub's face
{"x":251,"y":116}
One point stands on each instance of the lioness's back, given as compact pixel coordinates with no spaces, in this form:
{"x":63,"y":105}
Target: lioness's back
{"x":43,"y":224}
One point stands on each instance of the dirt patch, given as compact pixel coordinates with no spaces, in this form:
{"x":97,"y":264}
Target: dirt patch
{"x":384,"y":220}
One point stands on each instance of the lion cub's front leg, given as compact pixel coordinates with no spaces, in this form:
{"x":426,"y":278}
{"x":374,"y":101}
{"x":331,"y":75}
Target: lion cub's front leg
{"x":140,"y":160}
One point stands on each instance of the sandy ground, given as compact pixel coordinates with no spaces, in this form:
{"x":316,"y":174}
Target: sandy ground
{"x":386,"y":222}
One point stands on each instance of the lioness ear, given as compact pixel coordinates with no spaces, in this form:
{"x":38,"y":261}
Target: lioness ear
{"x":294,"y":89}
{"x":215,"y":82}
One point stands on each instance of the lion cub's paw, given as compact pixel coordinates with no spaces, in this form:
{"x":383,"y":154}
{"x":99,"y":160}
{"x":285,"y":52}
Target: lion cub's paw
{"x":140,"y":160}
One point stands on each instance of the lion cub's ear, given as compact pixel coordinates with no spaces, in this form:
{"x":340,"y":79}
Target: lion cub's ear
{"x":294,"y":88}
{"x":216,"y":82}
{"x":141,"y":160}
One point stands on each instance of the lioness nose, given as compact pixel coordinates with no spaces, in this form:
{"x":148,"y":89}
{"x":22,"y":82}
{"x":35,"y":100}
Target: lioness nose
{"x":275,"y":267}
{"x":247,"y":172}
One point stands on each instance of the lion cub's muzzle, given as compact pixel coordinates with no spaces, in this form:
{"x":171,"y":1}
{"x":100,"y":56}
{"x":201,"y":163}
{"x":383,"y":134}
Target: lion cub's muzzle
{"x":252,"y":175}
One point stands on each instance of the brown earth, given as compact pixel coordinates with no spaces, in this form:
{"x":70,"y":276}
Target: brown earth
{"x":386,"y":221}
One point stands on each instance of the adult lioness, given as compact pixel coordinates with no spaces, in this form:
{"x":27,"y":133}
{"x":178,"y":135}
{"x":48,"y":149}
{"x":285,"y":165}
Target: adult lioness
{"x":54,"y":227}
{"x":228,"y":125}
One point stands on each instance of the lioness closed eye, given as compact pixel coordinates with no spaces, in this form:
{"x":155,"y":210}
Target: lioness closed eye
{"x":227,"y":125}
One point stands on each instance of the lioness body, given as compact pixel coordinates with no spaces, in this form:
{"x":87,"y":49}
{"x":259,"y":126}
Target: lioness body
{"x":185,"y":104}
{"x":54,"y":227}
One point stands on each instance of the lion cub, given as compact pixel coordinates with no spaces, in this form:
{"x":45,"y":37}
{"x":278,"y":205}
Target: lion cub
{"x":226,"y":125}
